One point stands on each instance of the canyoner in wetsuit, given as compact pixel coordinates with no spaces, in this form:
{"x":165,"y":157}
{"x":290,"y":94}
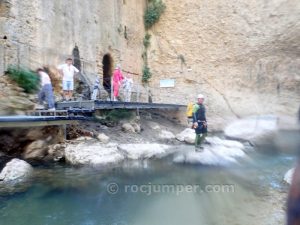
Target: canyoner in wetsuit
{"x":199,"y":123}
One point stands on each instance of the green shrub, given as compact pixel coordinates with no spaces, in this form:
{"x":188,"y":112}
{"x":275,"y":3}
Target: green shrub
{"x":147,"y":40}
{"x":145,"y":56}
{"x":119,"y":114}
{"x":112,"y":117}
{"x":153,"y":12}
{"x":25,"y":78}
{"x":146,"y":74}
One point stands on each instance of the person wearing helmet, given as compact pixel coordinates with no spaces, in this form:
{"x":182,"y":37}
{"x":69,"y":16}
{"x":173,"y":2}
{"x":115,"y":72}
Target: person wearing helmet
{"x":199,"y":122}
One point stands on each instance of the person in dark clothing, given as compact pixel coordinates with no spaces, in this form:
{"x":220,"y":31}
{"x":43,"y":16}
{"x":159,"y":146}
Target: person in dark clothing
{"x":199,"y":123}
{"x":293,"y":202}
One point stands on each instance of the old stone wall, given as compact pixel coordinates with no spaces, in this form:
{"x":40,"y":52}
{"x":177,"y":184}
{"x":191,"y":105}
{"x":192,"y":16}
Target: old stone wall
{"x":45,"y":32}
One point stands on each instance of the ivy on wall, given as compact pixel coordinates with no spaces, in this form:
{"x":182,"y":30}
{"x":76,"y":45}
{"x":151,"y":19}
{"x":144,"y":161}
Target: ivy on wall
{"x":153,"y":12}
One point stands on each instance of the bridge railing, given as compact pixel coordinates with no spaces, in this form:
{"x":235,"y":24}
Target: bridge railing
{"x":139,"y":93}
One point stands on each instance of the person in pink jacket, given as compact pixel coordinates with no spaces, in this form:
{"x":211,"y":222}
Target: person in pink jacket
{"x":117,"y":80}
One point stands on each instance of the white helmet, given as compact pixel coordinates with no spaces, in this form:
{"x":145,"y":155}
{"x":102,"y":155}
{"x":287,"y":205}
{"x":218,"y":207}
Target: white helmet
{"x":200,"y":96}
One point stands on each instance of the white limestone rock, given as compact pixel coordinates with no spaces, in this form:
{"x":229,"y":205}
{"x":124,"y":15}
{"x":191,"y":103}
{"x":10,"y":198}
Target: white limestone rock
{"x":103,"y":138}
{"x":166,"y":135}
{"x":16,"y":171}
{"x":144,"y":151}
{"x":93,"y":154}
{"x":217,"y":152}
{"x":127,"y":127}
{"x":187,"y":135}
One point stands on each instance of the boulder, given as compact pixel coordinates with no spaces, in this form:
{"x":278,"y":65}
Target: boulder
{"x":217,"y":152}
{"x":16,"y":170}
{"x":256,"y":129}
{"x":166,"y":135}
{"x":93,"y":154}
{"x":187,"y":135}
{"x":83,"y":138}
{"x":289,"y":176}
{"x":136,"y":127}
{"x":103,"y":138}
{"x":36,"y":150}
{"x":127,"y":127}
{"x":153,"y":125}
{"x":144,"y":151}
{"x":56,"y":152}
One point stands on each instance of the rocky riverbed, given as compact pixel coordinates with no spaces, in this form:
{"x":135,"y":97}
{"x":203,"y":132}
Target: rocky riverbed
{"x":142,"y":140}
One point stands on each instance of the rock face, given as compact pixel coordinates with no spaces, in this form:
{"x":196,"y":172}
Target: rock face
{"x":29,"y":143}
{"x":93,"y":154}
{"x":36,"y":150}
{"x":242,"y":55}
{"x":16,"y":170}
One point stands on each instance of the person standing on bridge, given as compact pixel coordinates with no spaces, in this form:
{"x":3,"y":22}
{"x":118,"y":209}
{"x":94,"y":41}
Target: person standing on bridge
{"x":127,"y":85}
{"x":68,"y":71}
{"x":117,"y":80}
{"x":199,"y":122}
{"x":46,"y":91}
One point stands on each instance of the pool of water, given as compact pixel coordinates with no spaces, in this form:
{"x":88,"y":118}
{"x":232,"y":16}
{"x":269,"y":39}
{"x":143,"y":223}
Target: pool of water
{"x":153,"y":192}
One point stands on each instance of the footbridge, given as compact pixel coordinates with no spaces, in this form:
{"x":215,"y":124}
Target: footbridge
{"x":70,"y":112}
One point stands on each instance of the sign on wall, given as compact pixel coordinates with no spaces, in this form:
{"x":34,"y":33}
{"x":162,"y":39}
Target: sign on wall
{"x":166,"y":83}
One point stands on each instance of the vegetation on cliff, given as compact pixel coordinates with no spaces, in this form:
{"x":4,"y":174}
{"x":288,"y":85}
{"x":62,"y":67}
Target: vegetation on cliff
{"x":25,"y":78}
{"x":154,"y":10}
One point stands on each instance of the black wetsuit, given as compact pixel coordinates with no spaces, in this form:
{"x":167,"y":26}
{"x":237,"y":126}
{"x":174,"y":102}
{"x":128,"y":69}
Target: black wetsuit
{"x":200,"y":117}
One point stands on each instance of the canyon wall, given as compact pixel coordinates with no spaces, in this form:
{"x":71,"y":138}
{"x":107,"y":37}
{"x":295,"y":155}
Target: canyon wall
{"x":244,"y":56}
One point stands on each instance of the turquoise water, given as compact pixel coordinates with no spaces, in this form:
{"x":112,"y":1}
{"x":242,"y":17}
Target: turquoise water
{"x":84,"y":196}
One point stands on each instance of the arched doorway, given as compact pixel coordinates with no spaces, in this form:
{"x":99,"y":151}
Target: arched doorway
{"x":107,"y":63}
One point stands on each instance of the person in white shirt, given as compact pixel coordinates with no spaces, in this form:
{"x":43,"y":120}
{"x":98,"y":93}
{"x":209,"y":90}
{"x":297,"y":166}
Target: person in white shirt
{"x":127,"y":85}
{"x":46,"y":91}
{"x":68,"y":71}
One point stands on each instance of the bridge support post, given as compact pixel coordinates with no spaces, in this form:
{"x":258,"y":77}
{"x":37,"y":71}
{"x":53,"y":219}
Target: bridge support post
{"x":64,"y":127}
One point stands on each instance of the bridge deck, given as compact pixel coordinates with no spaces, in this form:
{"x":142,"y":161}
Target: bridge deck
{"x":114,"y":105}
{"x":34,"y":121}
{"x":73,"y":111}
